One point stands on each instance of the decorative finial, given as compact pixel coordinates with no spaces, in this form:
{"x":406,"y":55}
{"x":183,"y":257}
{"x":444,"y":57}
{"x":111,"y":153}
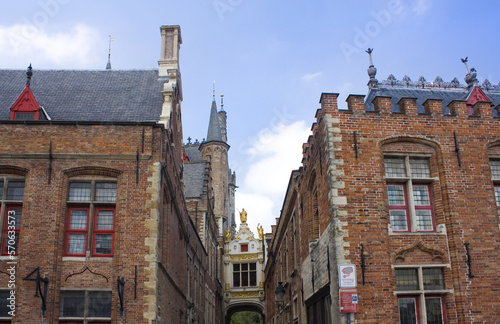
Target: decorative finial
{"x":213,"y":90}
{"x":29,"y":74}
{"x":464,"y":61}
{"x":372,"y":71}
{"x":471,"y":76}
{"x":189,"y":140}
{"x":108,"y":66}
{"x":222,"y":102}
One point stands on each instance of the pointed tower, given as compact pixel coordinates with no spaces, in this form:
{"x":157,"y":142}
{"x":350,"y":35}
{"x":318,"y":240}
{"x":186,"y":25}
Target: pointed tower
{"x":214,"y":150}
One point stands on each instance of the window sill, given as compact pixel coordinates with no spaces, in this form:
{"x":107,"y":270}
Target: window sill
{"x":440,"y":230}
{"x":71,"y":258}
{"x":425,"y":292}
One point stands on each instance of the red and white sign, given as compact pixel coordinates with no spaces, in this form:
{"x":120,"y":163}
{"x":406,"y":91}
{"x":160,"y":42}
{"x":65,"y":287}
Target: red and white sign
{"x":347,"y":276}
{"x":348,"y":300}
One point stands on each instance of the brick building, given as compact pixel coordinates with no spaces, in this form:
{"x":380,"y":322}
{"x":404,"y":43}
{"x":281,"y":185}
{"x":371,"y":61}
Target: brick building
{"x":404,"y":185}
{"x":95,"y":226}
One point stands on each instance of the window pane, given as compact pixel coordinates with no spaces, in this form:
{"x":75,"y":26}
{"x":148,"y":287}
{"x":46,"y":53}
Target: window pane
{"x":244,"y":267}
{"x":253,"y":266}
{"x":99,"y":304}
{"x":253,"y":278}
{"x":406,"y":279}
{"x":25,"y":116}
{"x":14,"y":214}
{"x":15,"y":190}
{"x":103,"y":243}
{"x":421,"y":195}
{"x":236,"y":267}
{"x":433,"y":279}
{"x":395,"y":167}
{"x":4,"y":311}
{"x":105,"y":191}
{"x":407,"y":310}
{"x":236,"y":279}
{"x":396,"y":195}
{"x":244,"y":279}
{"x":1,"y":189}
{"x":72,"y":304}
{"x":398,"y":220}
{"x":104,"y":220}
{"x":79,"y":191}
{"x":434,"y":310}
{"x":78,"y":219}
{"x":497,"y":195}
{"x":424,"y":220}
{"x":495,"y":169}
{"x":76,"y":243}
{"x":420,"y":168}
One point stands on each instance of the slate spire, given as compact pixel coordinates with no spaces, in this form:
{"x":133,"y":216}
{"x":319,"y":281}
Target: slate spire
{"x":214,"y":132}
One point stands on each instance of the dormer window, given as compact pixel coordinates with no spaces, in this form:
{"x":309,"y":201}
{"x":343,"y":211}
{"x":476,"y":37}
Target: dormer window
{"x":26,"y":107}
{"x":24,"y":116}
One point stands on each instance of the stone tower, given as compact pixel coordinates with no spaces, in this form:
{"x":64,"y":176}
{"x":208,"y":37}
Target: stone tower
{"x":214,"y":150}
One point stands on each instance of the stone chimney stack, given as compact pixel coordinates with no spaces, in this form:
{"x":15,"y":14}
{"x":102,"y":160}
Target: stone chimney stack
{"x":169,"y":73}
{"x":171,"y":41}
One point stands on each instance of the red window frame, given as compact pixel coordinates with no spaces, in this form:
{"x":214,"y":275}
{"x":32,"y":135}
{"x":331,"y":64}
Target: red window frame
{"x":76,"y":231}
{"x":417,"y":307}
{"x":17,"y":230}
{"x":404,"y":207}
{"x":426,"y":207}
{"x":103,"y":232}
{"x":443,"y":304}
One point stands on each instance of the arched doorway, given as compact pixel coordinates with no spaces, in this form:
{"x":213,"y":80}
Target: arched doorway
{"x":237,"y":309}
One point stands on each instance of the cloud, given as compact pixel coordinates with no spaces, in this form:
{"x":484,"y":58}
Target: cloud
{"x":422,"y":6}
{"x":276,"y":152}
{"x":311,"y":76}
{"x":78,"y":47}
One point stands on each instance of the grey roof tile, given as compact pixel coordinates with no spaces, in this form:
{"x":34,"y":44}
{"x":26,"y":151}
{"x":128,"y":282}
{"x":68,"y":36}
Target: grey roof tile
{"x":102,"y":96}
{"x":422,"y":95}
{"x":194,"y":177}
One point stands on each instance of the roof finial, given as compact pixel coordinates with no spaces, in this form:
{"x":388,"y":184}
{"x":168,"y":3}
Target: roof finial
{"x":464,"y":61}
{"x":372,"y":71}
{"x":222,"y":102}
{"x":471,"y":76}
{"x":108,"y":66}
{"x":213,"y":91}
{"x":29,"y":74}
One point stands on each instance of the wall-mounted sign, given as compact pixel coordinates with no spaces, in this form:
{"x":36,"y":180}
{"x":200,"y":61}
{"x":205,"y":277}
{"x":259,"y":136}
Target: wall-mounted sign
{"x":347,"y":276}
{"x":348,"y":298}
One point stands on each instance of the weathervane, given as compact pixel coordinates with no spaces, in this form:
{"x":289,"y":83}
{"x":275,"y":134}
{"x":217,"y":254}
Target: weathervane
{"x":108,"y":66}
{"x":464,"y":61}
{"x":222,"y":101}
{"x":29,"y":74}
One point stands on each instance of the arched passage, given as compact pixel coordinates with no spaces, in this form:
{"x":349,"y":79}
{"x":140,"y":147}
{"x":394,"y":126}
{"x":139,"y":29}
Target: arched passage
{"x":241,"y":307}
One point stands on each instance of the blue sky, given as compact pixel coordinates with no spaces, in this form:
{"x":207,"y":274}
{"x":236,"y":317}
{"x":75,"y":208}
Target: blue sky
{"x":271,"y":59}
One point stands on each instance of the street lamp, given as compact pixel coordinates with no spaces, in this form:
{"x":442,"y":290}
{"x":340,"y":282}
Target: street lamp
{"x":280,"y":295}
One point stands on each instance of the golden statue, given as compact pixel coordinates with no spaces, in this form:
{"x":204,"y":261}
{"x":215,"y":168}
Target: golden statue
{"x":243,"y":216}
{"x":228,"y":235}
{"x":260,"y":230}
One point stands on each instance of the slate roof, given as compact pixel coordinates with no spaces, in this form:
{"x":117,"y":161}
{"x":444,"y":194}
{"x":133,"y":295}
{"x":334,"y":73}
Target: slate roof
{"x":422,"y":95}
{"x":194,"y":178}
{"x":100,"y":95}
{"x":214,"y":132}
{"x":193,"y":152}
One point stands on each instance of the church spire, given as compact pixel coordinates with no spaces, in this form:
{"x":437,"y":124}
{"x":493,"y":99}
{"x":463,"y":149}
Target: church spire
{"x":214,"y":132}
{"x":108,"y":66}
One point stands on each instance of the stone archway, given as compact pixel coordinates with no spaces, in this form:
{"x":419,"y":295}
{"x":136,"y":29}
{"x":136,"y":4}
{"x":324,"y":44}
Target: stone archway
{"x":240,"y":307}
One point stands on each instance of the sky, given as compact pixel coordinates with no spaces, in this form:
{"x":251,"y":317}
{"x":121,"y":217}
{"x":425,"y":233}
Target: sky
{"x":271,"y":59}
